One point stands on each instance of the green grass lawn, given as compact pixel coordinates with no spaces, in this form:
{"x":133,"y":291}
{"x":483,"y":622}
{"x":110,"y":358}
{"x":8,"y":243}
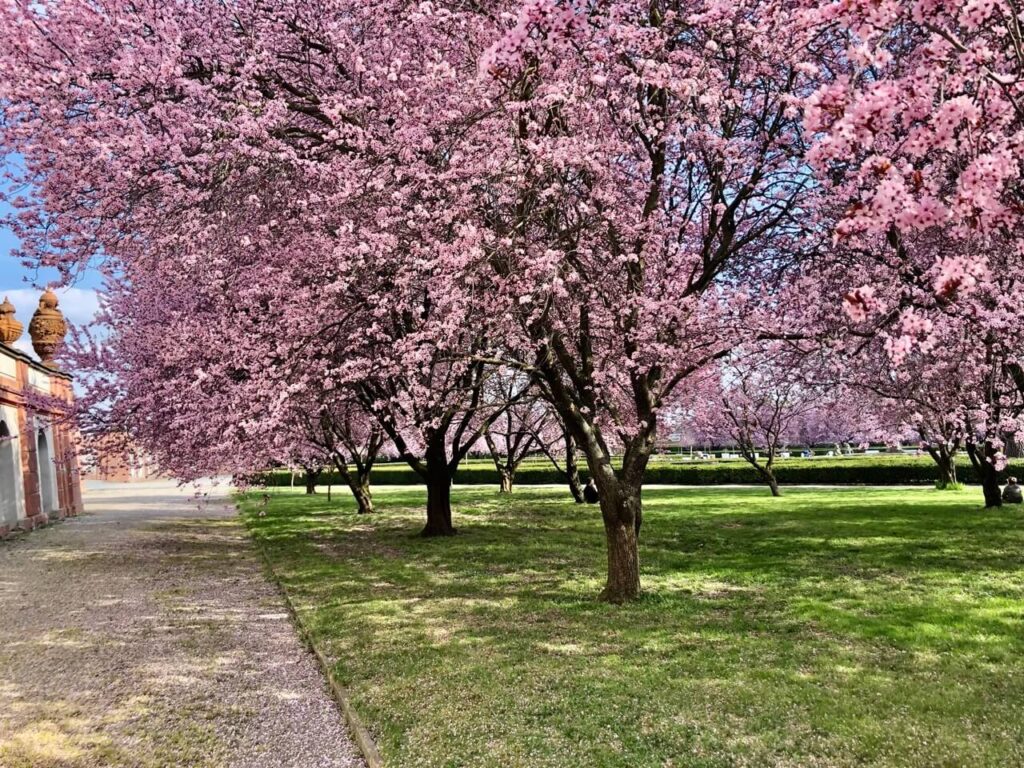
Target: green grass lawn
{"x":848,"y":627}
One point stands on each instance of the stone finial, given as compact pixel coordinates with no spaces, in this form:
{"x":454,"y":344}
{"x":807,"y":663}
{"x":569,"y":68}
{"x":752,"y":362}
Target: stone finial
{"x":10,"y":328}
{"x":47,"y":328}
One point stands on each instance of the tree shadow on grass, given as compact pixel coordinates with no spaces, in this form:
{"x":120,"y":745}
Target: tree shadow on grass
{"x":858,"y":621}
{"x":836,"y":567}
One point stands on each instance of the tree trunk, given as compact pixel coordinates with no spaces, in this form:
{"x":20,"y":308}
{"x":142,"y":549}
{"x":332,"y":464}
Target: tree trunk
{"x":572,"y":470}
{"x":360,"y":485}
{"x":621,"y":511}
{"x":439,"y":506}
{"x":990,"y":487}
{"x":946,"y":463}
{"x":987,"y":473}
{"x":576,"y":488}
{"x":311,"y":477}
{"x":769,"y":475}
{"x":504,"y":472}
{"x":947,"y":472}
{"x":358,"y":482}
{"x":623,"y":583}
{"x":437,"y":475}
{"x":765,"y":471}
{"x":439,"y":491}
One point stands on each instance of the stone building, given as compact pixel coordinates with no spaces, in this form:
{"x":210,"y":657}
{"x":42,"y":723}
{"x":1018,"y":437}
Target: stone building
{"x":115,"y":459}
{"x":39,"y":477}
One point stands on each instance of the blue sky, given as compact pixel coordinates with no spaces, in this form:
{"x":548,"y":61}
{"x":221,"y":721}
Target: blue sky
{"x":23,"y":286}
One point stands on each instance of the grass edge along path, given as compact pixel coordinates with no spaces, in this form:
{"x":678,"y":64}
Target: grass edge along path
{"x":867,"y":627}
{"x":360,"y":734}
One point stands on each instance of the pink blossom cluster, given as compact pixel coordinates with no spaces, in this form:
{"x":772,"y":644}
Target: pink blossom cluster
{"x":860,"y":303}
{"x":538,"y":24}
{"x":958,"y":275}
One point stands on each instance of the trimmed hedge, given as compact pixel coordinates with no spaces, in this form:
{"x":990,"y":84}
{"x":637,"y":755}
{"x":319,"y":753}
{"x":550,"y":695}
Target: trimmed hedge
{"x":884,"y":469}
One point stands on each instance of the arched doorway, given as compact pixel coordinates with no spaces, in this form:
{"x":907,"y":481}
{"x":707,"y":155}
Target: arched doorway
{"x":9,"y":477}
{"x":47,"y":473}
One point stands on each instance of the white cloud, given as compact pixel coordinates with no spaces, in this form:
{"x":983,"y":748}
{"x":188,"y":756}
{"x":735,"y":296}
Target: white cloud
{"x":24,"y":344}
{"x":79,"y":306}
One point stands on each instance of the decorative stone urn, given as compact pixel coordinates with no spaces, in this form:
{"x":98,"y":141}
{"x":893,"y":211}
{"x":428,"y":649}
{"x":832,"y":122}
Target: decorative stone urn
{"x":10,"y":328}
{"x":47,"y":328}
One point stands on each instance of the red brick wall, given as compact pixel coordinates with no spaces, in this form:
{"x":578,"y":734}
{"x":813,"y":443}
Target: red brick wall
{"x":63,"y":445}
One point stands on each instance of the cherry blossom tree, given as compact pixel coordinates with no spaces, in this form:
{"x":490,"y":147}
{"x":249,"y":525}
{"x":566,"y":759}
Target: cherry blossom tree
{"x":519,"y":429}
{"x":918,"y":136}
{"x":755,"y":400}
{"x":348,"y":437}
{"x":643,"y":188}
{"x":933,"y":398}
{"x":596,"y":195}
{"x":231,"y":145}
{"x":434,"y":419}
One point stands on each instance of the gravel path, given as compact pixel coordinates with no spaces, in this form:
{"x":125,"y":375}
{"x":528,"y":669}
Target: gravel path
{"x":145,"y":634}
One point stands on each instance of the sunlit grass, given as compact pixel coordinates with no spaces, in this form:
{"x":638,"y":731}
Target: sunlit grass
{"x":855,"y":627}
